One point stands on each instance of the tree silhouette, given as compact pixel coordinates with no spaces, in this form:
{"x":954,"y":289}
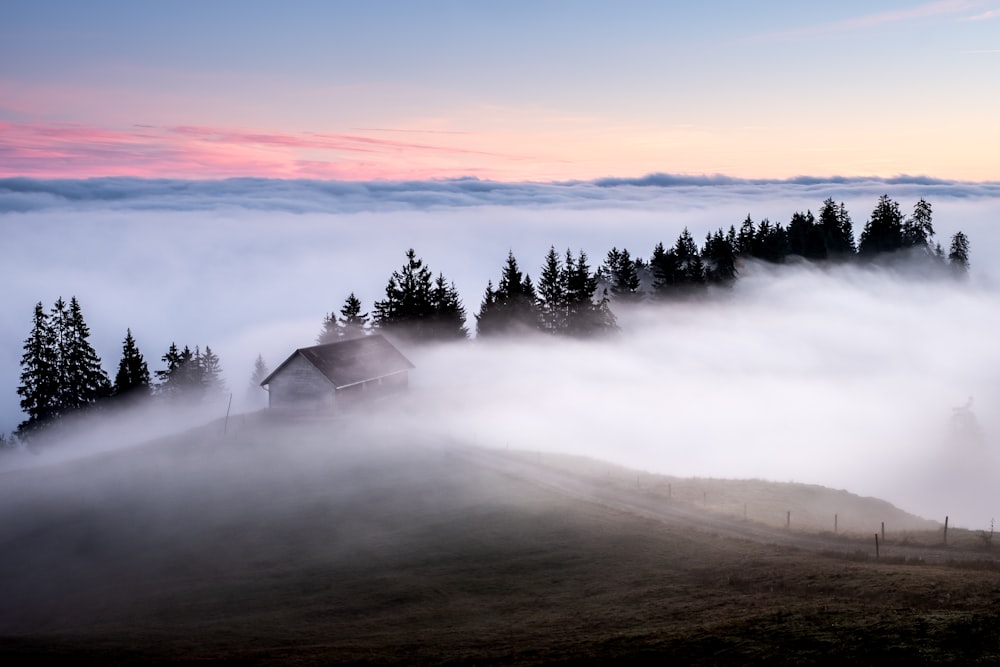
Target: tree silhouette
{"x":132,"y":379}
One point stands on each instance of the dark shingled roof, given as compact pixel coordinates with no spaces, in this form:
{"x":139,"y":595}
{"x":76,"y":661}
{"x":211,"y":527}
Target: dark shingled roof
{"x":352,"y":361}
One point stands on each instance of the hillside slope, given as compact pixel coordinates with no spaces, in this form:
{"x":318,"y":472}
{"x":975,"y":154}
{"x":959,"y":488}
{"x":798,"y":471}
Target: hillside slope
{"x":309,"y":546}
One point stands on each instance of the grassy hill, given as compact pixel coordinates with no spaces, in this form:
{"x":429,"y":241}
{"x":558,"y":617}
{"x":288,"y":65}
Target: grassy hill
{"x":288,"y":544}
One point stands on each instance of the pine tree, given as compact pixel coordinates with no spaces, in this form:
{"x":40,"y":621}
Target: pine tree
{"x":552,"y":303}
{"x":884,"y":230}
{"x":745,"y":239}
{"x":181,"y":377}
{"x":407,"y":303}
{"x":210,"y":375}
{"x":255,"y":393}
{"x":958,"y":255}
{"x":39,"y":388}
{"x":620,"y":269}
{"x":667,"y":275}
{"x":511,"y":306}
{"x":805,"y":237}
{"x":692,"y":269}
{"x":918,"y":229}
{"x":447,"y":320}
{"x":352,"y":323}
{"x":86,"y":383}
{"x":719,"y":255}
{"x":836,"y":229}
{"x":132,"y":378}
{"x":330,"y":332}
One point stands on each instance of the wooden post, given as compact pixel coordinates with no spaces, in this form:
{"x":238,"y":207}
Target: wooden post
{"x":883,"y":531}
{"x":946,"y":531}
{"x":788,"y":519}
{"x":835,"y":524}
{"x":225,"y":424}
{"x":876,"y":546}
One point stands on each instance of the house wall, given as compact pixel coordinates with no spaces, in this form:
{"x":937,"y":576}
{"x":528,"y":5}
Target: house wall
{"x":299,"y":384}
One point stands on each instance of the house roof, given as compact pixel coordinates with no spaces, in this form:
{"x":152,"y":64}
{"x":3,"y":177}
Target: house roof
{"x":352,"y":361}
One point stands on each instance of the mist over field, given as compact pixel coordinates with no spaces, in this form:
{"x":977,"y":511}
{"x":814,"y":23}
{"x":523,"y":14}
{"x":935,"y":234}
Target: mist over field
{"x":840,"y":376}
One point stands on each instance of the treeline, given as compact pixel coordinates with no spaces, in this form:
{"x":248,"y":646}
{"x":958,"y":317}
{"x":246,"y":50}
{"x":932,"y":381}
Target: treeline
{"x":61,"y":373}
{"x":571,"y":299}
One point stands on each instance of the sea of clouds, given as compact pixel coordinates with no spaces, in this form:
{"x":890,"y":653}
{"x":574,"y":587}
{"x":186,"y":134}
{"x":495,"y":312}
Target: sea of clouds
{"x":831,"y":375}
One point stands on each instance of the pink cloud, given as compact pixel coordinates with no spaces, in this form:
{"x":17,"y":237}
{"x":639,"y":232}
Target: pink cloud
{"x":73,"y":150}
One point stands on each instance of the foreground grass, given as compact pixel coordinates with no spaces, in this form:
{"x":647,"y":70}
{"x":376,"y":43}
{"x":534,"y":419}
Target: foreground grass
{"x":274,"y":550}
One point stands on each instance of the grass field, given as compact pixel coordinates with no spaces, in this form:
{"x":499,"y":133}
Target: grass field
{"x":286,"y":546}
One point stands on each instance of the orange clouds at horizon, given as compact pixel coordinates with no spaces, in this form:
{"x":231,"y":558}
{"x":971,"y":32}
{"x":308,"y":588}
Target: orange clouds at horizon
{"x":584,"y":151}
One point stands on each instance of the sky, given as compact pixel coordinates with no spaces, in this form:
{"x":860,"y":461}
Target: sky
{"x":513,"y":91}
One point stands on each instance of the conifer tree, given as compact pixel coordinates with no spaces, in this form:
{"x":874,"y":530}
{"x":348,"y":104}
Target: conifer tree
{"x":407,"y":299}
{"x":958,"y":254}
{"x":447,"y":320}
{"x":210,"y":375}
{"x":692,"y":269}
{"x":918,"y":229}
{"x":510,"y":307}
{"x":132,"y":378}
{"x":85,"y":381}
{"x":884,"y":230}
{"x":666,"y":269}
{"x":836,"y":229}
{"x":621,"y":271}
{"x":552,"y":303}
{"x":745,"y":238}
{"x":420,"y":307}
{"x":353,"y":323}
{"x":39,"y":388}
{"x":255,"y":393}
{"x":805,"y":237}
{"x":719,"y":255}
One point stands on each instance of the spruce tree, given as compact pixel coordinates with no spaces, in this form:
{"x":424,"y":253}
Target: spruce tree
{"x":211,"y":375}
{"x":621,"y":271}
{"x":745,"y":238}
{"x":836,"y":229}
{"x":510,"y":307}
{"x":407,"y":303}
{"x":551,"y":292}
{"x":39,"y":388}
{"x":667,"y":274}
{"x":132,"y":378}
{"x":958,"y":254}
{"x":918,"y":229}
{"x":805,"y":237}
{"x":447,"y":320}
{"x":884,"y":230}
{"x":256,"y":393}
{"x":86,"y":383}
{"x":352,"y":323}
{"x":719,"y":255}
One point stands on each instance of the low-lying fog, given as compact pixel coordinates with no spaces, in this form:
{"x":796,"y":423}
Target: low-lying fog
{"x":838,"y":376}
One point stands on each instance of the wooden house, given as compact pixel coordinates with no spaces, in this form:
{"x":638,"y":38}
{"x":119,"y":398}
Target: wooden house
{"x":339,"y":373}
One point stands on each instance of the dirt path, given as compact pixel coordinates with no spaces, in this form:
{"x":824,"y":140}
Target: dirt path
{"x":656,"y":507}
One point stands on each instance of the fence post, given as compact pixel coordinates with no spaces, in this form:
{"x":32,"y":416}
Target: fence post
{"x":876,"y":546}
{"x":946,"y":531}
